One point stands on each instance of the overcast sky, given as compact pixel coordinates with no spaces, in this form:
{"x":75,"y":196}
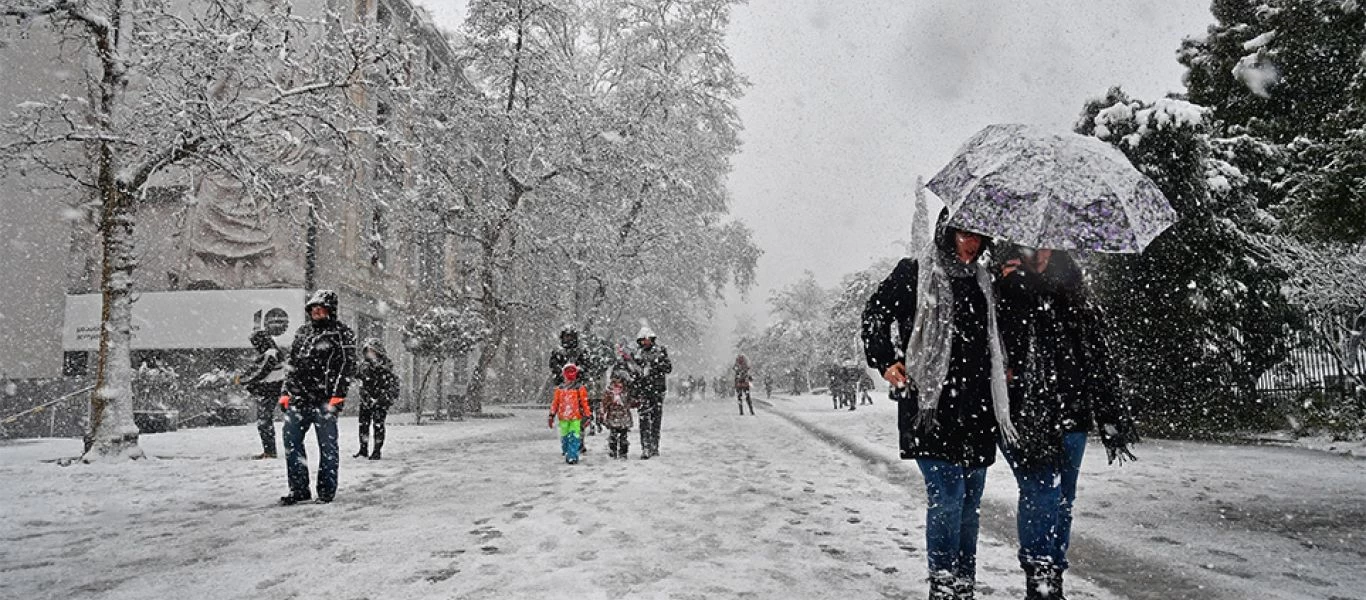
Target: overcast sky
{"x":852,"y":99}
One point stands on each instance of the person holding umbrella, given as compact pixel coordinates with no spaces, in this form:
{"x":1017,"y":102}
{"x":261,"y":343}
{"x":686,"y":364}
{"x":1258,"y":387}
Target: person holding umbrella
{"x":1061,"y":383}
{"x":950,"y":362}
{"x":1053,"y":191}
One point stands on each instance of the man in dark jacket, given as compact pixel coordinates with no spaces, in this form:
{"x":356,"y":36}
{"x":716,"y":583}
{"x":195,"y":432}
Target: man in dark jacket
{"x":651,"y":365}
{"x":378,"y":390}
{"x":322,"y":361}
{"x":264,"y":381}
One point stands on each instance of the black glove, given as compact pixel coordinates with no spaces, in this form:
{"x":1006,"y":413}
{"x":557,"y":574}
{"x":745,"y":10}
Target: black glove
{"x":925,"y":421}
{"x":1119,"y":451}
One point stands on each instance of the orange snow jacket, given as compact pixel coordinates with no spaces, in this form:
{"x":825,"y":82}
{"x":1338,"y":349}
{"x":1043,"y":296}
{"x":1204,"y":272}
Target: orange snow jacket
{"x":570,"y":403}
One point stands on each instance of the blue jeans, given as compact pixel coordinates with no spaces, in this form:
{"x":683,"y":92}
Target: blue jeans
{"x":954,"y":496}
{"x":297,"y":421}
{"x":1044,"y":514}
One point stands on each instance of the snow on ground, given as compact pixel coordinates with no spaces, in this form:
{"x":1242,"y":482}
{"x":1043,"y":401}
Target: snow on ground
{"x":735,"y":507}
{"x":1189,"y":520}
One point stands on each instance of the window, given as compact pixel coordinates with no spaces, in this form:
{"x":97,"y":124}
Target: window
{"x":375,"y":238}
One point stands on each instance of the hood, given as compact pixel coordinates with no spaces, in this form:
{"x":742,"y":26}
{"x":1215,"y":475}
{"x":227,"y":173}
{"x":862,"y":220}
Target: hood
{"x":324,"y":298}
{"x":645,"y":333}
{"x":946,"y":247}
{"x":262,"y":341}
{"x":373,"y":344}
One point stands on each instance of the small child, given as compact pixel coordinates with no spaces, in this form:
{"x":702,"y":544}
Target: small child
{"x":616,"y":412}
{"x":571,"y":406}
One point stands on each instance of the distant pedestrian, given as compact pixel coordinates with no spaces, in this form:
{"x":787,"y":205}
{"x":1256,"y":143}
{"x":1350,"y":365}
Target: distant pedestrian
{"x":264,"y":382}
{"x":616,"y":414}
{"x":651,"y":366}
{"x":865,"y":385}
{"x":379,"y":389}
{"x":949,"y":359}
{"x":322,"y":361}
{"x":570,"y":406}
{"x":742,"y":384}
{"x":768,"y":386}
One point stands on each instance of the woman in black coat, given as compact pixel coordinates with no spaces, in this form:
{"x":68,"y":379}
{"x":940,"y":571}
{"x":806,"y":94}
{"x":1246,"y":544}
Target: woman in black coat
{"x":1061,"y":383}
{"x":948,"y":359}
{"x":379,"y":389}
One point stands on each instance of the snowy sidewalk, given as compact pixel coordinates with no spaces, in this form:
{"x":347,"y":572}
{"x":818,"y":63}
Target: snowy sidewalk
{"x":735,"y":507}
{"x":1189,"y":520}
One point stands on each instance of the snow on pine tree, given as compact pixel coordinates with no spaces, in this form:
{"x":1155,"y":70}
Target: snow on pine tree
{"x":1284,"y":79}
{"x":1199,"y":316}
{"x":247,"y":89}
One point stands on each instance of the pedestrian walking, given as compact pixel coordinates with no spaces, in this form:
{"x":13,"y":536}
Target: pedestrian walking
{"x":768,"y":387}
{"x":616,"y":414}
{"x":570,"y":406}
{"x":865,"y":385}
{"x":742,"y":384}
{"x":948,"y":358}
{"x":322,"y":361}
{"x":1061,"y":385}
{"x":651,"y":366}
{"x":264,"y":381}
{"x":379,"y":388}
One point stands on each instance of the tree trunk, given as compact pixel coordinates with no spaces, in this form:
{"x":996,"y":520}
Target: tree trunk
{"x":113,"y":433}
{"x":422,"y":389}
{"x":487,"y":352}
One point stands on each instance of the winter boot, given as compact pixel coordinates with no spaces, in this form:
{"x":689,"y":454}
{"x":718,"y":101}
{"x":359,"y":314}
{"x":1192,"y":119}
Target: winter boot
{"x":1057,"y":585}
{"x":264,"y":456}
{"x":1039,"y":583}
{"x":364,"y":451}
{"x":292,"y":499}
{"x":941,"y":586}
{"x":375,"y":455}
{"x":964,"y":588}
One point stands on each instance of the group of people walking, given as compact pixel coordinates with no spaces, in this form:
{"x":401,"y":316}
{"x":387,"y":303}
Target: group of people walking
{"x":1006,"y":353}
{"x":310,"y":384}
{"x":593,"y":391}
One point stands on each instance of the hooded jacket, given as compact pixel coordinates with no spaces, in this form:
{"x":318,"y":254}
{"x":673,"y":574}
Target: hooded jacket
{"x":967,"y":431}
{"x":323,"y":357}
{"x":266,"y":373}
{"x":379,"y":384}
{"x":651,"y":366}
{"x":1063,"y":379}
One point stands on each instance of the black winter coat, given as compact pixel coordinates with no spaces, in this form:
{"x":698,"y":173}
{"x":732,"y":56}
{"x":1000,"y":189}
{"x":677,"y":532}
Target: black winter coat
{"x":651,"y":366}
{"x":379,"y":384}
{"x":967,"y":432}
{"x":322,"y":361}
{"x":1063,"y":380}
{"x":267,"y":372}
{"x":562,"y":356}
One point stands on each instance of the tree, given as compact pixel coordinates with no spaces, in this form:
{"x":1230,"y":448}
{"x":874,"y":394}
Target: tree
{"x":439,"y":333}
{"x":238,"y":87}
{"x":1201,"y":309}
{"x":1286,"y":78}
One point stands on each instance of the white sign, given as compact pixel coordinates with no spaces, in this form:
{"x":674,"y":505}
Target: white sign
{"x":180,"y":320}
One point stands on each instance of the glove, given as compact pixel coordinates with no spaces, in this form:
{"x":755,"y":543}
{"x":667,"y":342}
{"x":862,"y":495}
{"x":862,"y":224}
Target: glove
{"x":1116,"y":449}
{"x":284,"y":401}
{"x":550,"y":421}
{"x":334,"y":404}
{"x":925,"y":422}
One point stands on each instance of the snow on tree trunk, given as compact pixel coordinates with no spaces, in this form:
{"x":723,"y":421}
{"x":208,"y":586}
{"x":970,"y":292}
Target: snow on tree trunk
{"x":113,"y":433}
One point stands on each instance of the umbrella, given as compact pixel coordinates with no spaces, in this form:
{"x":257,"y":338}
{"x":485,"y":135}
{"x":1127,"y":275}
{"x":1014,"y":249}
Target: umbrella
{"x":1047,"y":190}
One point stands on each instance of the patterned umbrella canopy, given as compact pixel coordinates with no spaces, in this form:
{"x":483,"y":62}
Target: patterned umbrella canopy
{"x":1048,"y":190}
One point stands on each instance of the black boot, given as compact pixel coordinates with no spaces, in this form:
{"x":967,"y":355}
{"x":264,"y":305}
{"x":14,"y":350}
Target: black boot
{"x":375,"y":455}
{"x":293,"y":499}
{"x":1057,"y":585}
{"x":1039,"y":582}
{"x":364,"y":451}
{"x":964,"y":588}
{"x":941,"y":586}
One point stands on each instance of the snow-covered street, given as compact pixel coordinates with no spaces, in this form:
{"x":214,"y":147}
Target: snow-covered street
{"x":735,"y":507}
{"x":1188,"y":520}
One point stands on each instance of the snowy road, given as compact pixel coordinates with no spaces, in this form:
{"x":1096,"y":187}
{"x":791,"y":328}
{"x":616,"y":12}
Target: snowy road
{"x":1189,"y":520}
{"x":736,"y":507}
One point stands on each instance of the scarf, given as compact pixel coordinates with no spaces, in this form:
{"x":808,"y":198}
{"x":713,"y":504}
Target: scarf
{"x":931,"y":341}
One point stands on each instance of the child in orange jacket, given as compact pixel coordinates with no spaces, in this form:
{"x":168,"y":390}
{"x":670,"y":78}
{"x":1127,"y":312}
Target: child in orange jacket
{"x":571,"y":406}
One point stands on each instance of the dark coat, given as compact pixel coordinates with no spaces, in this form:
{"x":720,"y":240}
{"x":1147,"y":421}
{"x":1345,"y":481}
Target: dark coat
{"x":567,"y":355}
{"x":651,"y":366}
{"x":379,"y":384}
{"x":267,"y":372}
{"x":1063,"y":381}
{"x":322,"y":359}
{"x":966,"y":432}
